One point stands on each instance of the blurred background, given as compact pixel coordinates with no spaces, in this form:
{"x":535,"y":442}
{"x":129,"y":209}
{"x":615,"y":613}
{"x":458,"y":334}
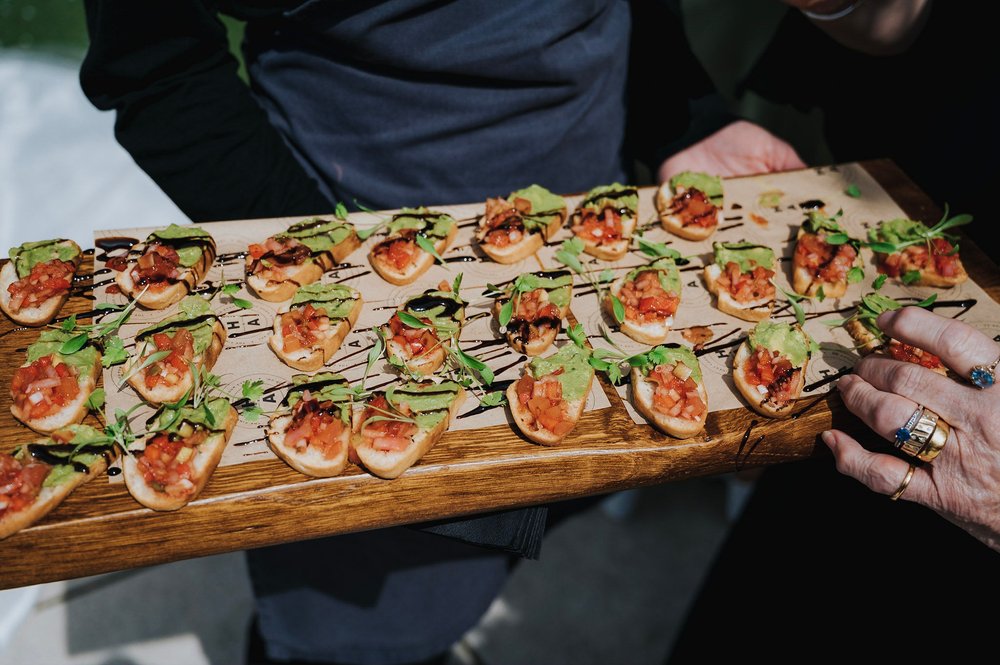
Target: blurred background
{"x":614,"y":582}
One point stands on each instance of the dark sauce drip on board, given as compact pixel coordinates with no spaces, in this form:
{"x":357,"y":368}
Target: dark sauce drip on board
{"x":460,"y":259}
{"x":731,"y":226}
{"x":252,"y":331}
{"x":347,"y":279}
{"x":743,"y":444}
{"x":827,"y":379}
{"x":736,"y":206}
{"x":965,"y":305}
{"x":812,"y":204}
{"x":114,"y":471}
{"x":718,"y":347}
{"x":807,"y":407}
{"x":113,"y":244}
{"x":230,"y":256}
{"x":733,"y":218}
{"x":472,"y":221}
{"x":482,"y":408}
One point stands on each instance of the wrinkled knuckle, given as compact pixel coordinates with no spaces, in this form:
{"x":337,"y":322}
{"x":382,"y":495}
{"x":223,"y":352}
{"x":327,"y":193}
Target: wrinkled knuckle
{"x":906,"y":379}
{"x":907,"y":318}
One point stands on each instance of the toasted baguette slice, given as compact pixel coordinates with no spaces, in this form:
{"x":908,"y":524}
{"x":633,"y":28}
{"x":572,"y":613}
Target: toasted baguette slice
{"x":867,"y":343}
{"x":48,"y":497}
{"x":673,"y":222}
{"x":202,"y":463}
{"x":928,"y":275}
{"x":47,"y":309}
{"x":306,"y":458}
{"x":517,"y":337}
{"x":760,"y":402}
{"x":529,"y":243}
{"x":423,"y":365}
{"x":421,"y":264}
{"x":161,"y":298}
{"x":443,"y":309}
{"x":653,"y":332}
{"x":311,"y":359}
{"x":642,"y":398}
{"x":756,"y":310}
{"x":615,"y":250}
{"x":74,"y":412}
{"x":307,"y":272}
{"x":803,"y":282}
{"x":570,"y":361}
{"x":391,"y":464}
{"x":161,"y":394}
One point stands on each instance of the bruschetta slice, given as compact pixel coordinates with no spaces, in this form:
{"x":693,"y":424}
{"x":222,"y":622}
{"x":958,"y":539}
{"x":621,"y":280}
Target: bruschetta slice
{"x":35,"y":283}
{"x":929,"y":261}
{"x":690,"y":204}
{"x":548,"y":400}
{"x":400,"y":259}
{"x":298,"y":256}
{"x":50,"y":391}
{"x":605,"y":220}
{"x":313,"y":326}
{"x":179,"y":458}
{"x":422,"y":349}
{"x":167,"y":267}
{"x":39,"y":475}
{"x":668,"y":390}
{"x":538,"y":302}
{"x":315,"y":435}
{"x":824,"y":254}
{"x":649,"y":296}
{"x":518,"y":226}
{"x":869,"y":338}
{"x":193,"y":337}
{"x":398,"y":426}
{"x":742,"y":279}
{"x":770,"y":365}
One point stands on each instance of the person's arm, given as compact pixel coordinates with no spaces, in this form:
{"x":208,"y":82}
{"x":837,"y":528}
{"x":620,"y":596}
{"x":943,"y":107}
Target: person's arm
{"x":875,"y":27}
{"x":185,"y":116}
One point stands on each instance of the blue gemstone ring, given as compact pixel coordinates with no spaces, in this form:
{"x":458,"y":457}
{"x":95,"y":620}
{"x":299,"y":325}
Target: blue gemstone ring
{"x":983,"y":376}
{"x":905,"y":433}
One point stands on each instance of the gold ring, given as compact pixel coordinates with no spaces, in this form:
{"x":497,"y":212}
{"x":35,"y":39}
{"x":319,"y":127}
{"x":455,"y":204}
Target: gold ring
{"x":903,"y":485}
{"x":935,"y":444}
{"x":921,"y":433}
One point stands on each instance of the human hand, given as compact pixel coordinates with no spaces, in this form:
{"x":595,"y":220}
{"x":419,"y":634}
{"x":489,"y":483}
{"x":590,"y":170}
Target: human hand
{"x":963,"y":482}
{"x":740,"y":148}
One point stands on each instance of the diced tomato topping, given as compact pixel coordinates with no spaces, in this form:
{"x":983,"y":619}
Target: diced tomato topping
{"x":911,"y":354}
{"x":42,"y":388}
{"x":945,"y":257}
{"x":301,"y":327}
{"x":46,"y":280}
{"x":399,"y":251}
{"x":645,"y":299}
{"x":544,"y":401}
{"x":825,"y":262}
{"x":415,"y":340}
{"x":157,"y":268}
{"x":315,"y":425}
{"x":268,"y":261}
{"x":774,"y":372}
{"x":674,"y":396}
{"x":916,"y":257}
{"x":386,"y":435}
{"x":601,"y":228}
{"x":165,"y":465}
{"x":502,"y":224}
{"x":694,"y":209}
{"x":20,"y":483}
{"x":747,"y":286}
{"x":533,"y":315}
{"x":174,"y":367}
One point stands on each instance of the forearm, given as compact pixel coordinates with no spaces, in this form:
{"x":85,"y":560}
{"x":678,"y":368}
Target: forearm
{"x":185,"y":116}
{"x":876,"y":27}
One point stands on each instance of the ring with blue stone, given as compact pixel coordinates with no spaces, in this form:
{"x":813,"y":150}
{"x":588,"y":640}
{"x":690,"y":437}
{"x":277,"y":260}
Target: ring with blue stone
{"x":983,"y":376}
{"x":905,"y":433}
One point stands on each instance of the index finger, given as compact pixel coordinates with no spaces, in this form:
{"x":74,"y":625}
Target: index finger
{"x":959,"y":345}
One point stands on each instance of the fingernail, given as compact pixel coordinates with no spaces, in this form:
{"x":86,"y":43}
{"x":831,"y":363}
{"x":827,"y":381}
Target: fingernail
{"x":844,"y":381}
{"x":885,"y":317}
{"x":827,"y":437}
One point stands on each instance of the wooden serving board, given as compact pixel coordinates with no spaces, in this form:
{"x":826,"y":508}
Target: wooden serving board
{"x":100,"y":528}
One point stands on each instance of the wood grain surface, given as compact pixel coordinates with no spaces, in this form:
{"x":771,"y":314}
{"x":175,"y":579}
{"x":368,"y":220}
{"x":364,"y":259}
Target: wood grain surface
{"x":100,"y":528}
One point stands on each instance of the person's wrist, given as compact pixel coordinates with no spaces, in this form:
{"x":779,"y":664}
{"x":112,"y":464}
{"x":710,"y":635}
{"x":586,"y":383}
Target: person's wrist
{"x":832,"y":11}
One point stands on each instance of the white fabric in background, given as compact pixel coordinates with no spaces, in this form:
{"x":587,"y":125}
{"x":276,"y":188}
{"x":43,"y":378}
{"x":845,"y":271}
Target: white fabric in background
{"x":62,"y":174}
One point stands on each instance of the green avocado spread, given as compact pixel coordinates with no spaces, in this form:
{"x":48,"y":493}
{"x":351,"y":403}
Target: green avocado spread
{"x":429,"y":222}
{"x":195,"y":314}
{"x":323,"y":387}
{"x":790,"y":341}
{"x":576,"y":370}
{"x":669,"y":276}
{"x":898,"y":231}
{"x":429,"y":402}
{"x":672,"y":354}
{"x":336,"y":299}
{"x":49,"y":343}
{"x":817,"y":221}
{"x":30,"y":254}
{"x":559,"y":284}
{"x":83,"y":436}
{"x":319,"y":235}
{"x":744,"y":254}
{"x":709,"y":185}
{"x":189,"y":252}
{"x":210,"y":414}
{"x":546,"y":207}
{"x":617,"y":196}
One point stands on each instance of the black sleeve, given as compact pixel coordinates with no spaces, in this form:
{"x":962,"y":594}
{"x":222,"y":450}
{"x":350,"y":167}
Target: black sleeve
{"x":184,"y":114}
